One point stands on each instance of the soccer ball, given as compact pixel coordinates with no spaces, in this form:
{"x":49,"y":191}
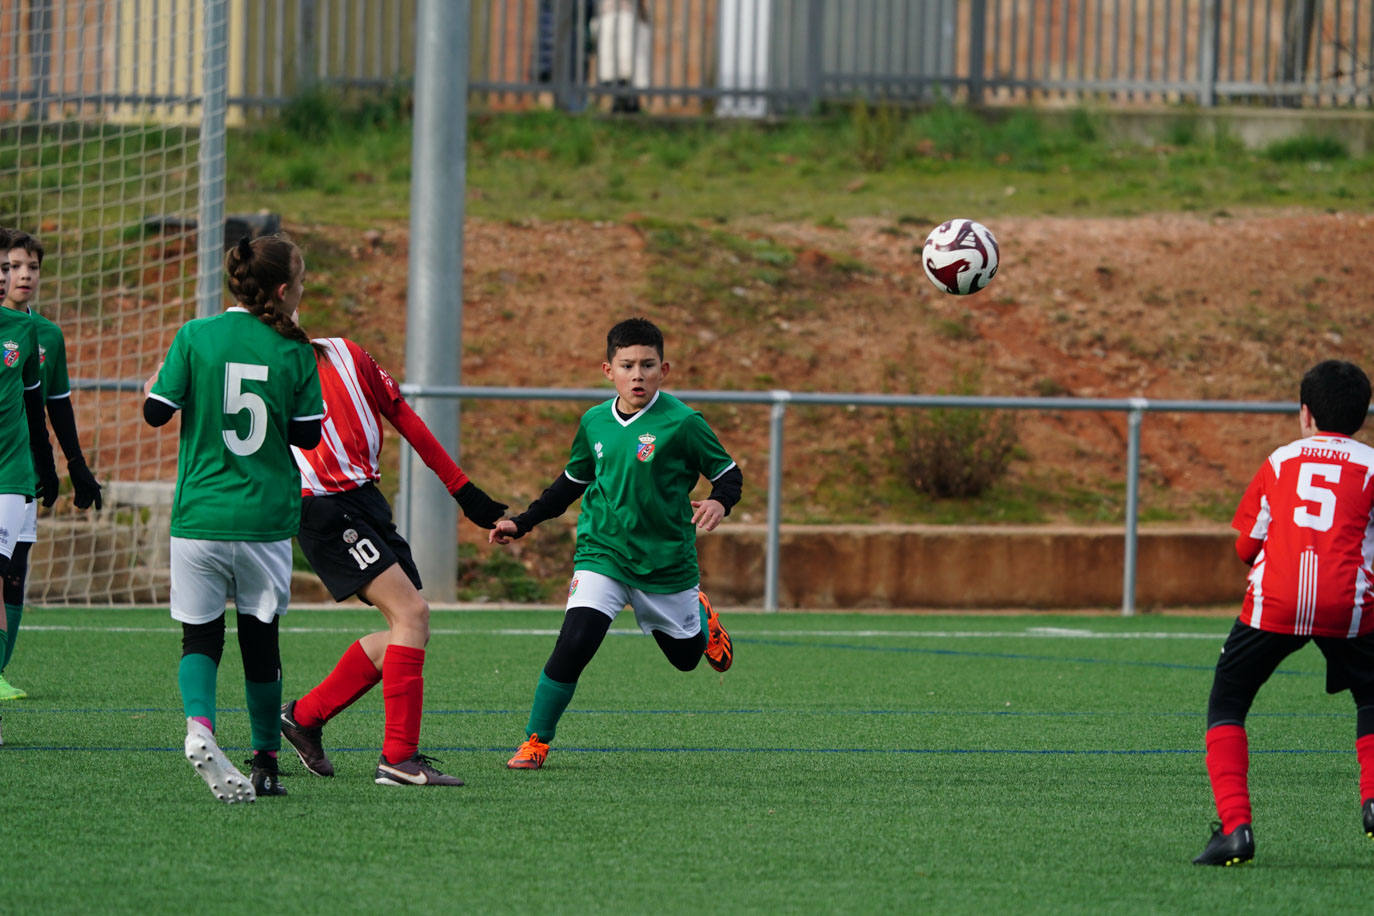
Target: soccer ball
{"x":960,"y":256}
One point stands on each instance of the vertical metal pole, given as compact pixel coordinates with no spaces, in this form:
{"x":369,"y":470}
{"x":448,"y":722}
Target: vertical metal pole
{"x":1207,"y":54}
{"x":210,"y":209}
{"x":434,"y":310}
{"x":771,"y":551}
{"x":977,"y":50}
{"x":815,"y":45}
{"x":1132,"y":509}
{"x":307,"y":45}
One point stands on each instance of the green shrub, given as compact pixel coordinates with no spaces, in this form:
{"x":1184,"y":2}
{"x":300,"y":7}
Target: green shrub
{"x":955,"y":452}
{"x":1306,"y":148}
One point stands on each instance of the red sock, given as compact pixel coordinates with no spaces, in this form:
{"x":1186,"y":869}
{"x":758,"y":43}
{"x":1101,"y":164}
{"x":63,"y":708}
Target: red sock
{"x":403,"y":693}
{"x":1364,"y":752}
{"x":352,"y":677}
{"x":1228,"y":761}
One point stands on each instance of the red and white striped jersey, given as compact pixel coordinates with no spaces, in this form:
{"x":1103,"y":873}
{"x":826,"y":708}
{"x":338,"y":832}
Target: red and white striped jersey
{"x":358,"y":393}
{"x":1309,"y":511}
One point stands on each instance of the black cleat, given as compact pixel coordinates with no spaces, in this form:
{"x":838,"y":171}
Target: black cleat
{"x":1234,"y":848}
{"x":307,"y":742}
{"x":417,"y":771}
{"x":265,"y":775}
{"x":1368,"y":809}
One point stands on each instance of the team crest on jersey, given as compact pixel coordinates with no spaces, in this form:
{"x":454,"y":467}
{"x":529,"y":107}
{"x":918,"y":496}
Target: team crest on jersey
{"x":42,"y":354}
{"x":645,"y":452}
{"x":572,"y":587}
{"x":350,"y":536}
{"x":11,"y":353}
{"x":597,"y":448}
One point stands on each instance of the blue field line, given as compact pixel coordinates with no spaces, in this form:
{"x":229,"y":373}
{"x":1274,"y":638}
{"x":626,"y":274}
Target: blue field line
{"x":1002,"y":656}
{"x":751,"y":711}
{"x":623,"y":749}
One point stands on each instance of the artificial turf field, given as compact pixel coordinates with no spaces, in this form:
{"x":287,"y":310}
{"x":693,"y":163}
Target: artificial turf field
{"x":847,"y":763}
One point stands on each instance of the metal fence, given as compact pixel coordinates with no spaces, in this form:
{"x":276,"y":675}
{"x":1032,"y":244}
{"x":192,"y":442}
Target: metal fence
{"x":704,"y":57}
{"x":1134,"y":408}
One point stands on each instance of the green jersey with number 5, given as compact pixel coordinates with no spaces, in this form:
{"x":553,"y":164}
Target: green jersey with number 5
{"x":238,"y":384}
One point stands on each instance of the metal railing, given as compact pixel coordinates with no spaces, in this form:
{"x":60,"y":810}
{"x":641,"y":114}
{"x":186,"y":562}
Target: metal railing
{"x":1134,"y":408}
{"x":74,"y":58}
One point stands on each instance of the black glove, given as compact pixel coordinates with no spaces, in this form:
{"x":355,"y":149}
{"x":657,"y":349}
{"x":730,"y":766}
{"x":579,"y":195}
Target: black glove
{"x":48,"y":484}
{"x":481,"y":509}
{"x":86,"y":487}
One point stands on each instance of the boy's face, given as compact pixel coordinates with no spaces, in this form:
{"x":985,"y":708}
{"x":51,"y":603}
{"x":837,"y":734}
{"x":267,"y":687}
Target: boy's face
{"x":637,"y":373}
{"x":23,"y":277}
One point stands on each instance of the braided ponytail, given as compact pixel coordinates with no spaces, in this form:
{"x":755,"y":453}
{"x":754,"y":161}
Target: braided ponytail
{"x":255,"y":269}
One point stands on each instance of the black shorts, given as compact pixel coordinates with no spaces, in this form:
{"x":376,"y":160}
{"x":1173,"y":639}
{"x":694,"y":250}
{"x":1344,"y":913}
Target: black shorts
{"x":1250,"y":656}
{"x":350,"y":540}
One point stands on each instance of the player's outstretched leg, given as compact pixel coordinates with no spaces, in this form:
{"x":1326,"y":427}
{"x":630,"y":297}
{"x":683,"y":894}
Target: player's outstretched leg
{"x":264,"y":774}
{"x":224,"y":780}
{"x":308,"y":742}
{"x":1367,"y":811}
{"x":720,"y":652}
{"x":1234,"y":848}
{"x":418,"y":770}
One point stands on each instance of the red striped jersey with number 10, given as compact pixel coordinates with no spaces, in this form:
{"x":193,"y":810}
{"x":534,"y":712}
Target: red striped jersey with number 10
{"x":1310,"y":505}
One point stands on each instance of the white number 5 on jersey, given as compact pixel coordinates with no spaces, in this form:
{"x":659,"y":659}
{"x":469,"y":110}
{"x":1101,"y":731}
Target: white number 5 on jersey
{"x":1311,"y":492}
{"x":236,"y":400}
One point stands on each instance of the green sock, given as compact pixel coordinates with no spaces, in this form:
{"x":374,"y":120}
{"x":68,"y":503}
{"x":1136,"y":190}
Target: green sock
{"x":4,"y":647}
{"x":701,"y":612}
{"x":14,"y":613}
{"x":264,"y":712}
{"x":550,"y":699}
{"x":196,"y":677}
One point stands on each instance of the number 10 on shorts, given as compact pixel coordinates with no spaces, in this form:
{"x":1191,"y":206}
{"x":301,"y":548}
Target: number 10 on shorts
{"x":365,"y":553}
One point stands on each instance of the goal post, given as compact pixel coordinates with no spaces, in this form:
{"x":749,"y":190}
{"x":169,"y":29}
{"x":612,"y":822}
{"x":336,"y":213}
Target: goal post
{"x":102,"y":108}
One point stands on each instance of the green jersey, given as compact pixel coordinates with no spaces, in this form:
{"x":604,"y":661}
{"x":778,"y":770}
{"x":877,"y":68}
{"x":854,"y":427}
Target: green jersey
{"x":238,"y":384}
{"x":18,"y":373}
{"x":52,"y":358}
{"x":635,"y":524}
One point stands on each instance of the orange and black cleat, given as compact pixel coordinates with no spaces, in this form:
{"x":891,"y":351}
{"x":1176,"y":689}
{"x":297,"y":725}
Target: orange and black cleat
{"x":529,"y":756}
{"x":720,"y":653}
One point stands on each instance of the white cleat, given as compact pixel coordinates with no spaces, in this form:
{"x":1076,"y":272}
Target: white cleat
{"x":225,"y":781}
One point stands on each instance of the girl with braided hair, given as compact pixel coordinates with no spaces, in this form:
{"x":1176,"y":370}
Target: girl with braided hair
{"x":248,"y":389}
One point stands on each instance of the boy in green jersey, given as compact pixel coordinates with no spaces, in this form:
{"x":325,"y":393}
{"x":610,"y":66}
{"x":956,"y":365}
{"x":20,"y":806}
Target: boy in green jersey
{"x":634,"y":462}
{"x":24,"y":460}
{"x":246,"y":384}
{"x":22,"y":259}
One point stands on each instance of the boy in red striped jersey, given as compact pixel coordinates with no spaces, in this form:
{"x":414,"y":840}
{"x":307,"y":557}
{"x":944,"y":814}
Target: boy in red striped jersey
{"x":1306,"y":527}
{"x":347,"y":535}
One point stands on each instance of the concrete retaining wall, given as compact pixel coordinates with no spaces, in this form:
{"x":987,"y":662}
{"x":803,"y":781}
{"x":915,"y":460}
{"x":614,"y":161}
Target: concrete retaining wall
{"x":923,"y":566}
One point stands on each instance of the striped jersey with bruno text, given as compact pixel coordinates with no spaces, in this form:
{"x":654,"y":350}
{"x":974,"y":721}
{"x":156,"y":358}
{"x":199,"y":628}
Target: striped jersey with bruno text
{"x":1310,"y":504}
{"x":357,"y":392}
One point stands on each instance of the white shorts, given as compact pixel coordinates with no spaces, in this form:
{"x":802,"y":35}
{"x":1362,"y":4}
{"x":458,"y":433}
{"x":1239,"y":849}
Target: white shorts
{"x":206,"y":574}
{"x":11,"y":522}
{"x":675,"y":615}
{"x":28,"y":534}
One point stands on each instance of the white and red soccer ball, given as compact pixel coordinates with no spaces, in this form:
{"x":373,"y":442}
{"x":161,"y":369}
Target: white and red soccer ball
{"x":960,"y":256}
